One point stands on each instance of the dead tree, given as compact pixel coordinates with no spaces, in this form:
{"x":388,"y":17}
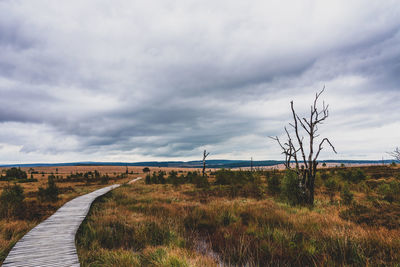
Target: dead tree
{"x":294,"y":149}
{"x":205,"y":154}
{"x":395,"y":154}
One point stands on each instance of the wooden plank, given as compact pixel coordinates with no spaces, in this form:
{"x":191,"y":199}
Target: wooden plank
{"x":52,"y":242}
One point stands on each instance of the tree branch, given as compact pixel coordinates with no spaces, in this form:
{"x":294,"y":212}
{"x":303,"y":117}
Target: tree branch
{"x":321,"y":147}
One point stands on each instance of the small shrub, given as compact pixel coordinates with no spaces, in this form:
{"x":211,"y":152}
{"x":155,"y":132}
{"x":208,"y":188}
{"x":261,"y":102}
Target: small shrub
{"x":352,"y":175}
{"x":224,"y":177}
{"x":228,"y":177}
{"x":50,"y":193}
{"x":12,"y":203}
{"x":290,"y":188}
{"x":346,"y":195}
{"x":331,"y":187}
{"x":324,"y":175}
{"x":358,"y":175}
{"x":16,"y":173}
{"x":148,"y":179}
{"x":274,"y":184}
{"x":173,"y":178}
{"x":389,"y":191}
{"x":105,"y":179}
{"x":318,"y":180}
{"x":158,"y":178}
{"x":254,"y":190}
{"x":201,"y":181}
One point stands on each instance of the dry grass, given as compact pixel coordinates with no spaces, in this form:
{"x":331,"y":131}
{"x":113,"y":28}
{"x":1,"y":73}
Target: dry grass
{"x":149,"y":225}
{"x":163,"y":225}
{"x":11,"y":230}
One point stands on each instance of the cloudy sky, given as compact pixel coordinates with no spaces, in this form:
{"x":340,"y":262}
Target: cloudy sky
{"x":129,"y":80}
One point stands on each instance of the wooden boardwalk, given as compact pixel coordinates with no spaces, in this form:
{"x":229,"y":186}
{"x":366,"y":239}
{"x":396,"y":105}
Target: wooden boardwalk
{"x":52,"y":242}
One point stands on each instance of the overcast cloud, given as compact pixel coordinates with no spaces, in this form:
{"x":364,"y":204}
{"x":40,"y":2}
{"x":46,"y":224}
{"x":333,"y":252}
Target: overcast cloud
{"x":161,"y":80}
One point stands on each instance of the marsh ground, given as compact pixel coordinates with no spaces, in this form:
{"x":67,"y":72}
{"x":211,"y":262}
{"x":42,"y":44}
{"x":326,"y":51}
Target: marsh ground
{"x":35,"y":211}
{"x":181,"y":224}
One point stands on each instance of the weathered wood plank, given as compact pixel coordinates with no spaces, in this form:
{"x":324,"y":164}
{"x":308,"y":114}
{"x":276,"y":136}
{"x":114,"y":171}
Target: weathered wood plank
{"x":52,"y":242}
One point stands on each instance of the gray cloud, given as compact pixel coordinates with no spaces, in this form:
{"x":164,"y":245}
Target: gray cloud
{"x":99,"y":80}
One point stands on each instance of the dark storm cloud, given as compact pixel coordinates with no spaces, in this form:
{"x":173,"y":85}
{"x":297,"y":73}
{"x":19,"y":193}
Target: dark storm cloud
{"x":127,"y":81}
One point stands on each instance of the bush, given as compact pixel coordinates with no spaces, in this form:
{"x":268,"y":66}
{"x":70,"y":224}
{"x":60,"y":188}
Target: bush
{"x":105,"y":179}
{"x":358,"y":175}
{"x":224,"y":177}
{"x":346,"y":195}
{"x":291,"y":191}
{"x":148,"y":179}
{"x":12,"y":202}
{"x":16,"y":173}
{"x":352,"y":175}
{"x":50,"y":193}
{"x":201,"y":181}
{"x":331,"y":187}
{"x":318,"y":182}
{"x":274,"y":184}
{"x":324,"y":175}
{"x":190,"y":176}
{"x":173,"y":178}
{"x":390,"y":191}
{"x":228,"y":177}
{"x":156,"y":178}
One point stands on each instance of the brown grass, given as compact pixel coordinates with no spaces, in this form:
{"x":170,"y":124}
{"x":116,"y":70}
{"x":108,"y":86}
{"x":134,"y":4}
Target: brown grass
{"x":213,"y":230}
{"x":163,"y":225}
{"x":11,"y":230}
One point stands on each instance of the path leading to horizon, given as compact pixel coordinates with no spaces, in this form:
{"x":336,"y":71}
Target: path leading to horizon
{"x":52,"y":242}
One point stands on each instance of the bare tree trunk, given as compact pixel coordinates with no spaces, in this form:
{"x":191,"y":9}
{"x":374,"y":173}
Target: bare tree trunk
{"x":205,"y":154}
{"x":306,"y":176}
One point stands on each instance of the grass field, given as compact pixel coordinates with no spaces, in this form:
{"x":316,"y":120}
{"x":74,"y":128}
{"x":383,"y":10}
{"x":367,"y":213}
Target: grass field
{"x":182,"y":224}
{"x":12,"y":229}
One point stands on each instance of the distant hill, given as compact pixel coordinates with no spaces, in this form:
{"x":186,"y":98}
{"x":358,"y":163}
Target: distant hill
{"x":190,"y":164}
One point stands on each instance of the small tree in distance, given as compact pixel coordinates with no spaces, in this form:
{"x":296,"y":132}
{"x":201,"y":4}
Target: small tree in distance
{"x":293,"y":147}
{"x":205,"y":154}
{"x":51,"y":192}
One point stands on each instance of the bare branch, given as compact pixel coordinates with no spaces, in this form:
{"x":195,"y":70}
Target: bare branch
{"x":321,"y":147}
{"x":302,"y":124}
{"x":395,"y":153}
{"x":300,"y":141}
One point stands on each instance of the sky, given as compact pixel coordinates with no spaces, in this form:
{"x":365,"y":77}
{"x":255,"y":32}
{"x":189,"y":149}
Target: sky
{"x":162,"y":80}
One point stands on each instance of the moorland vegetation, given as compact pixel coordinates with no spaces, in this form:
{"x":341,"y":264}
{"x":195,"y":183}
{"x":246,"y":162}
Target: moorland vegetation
{"x":247,"y":218}
{"x":29,"y":196}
